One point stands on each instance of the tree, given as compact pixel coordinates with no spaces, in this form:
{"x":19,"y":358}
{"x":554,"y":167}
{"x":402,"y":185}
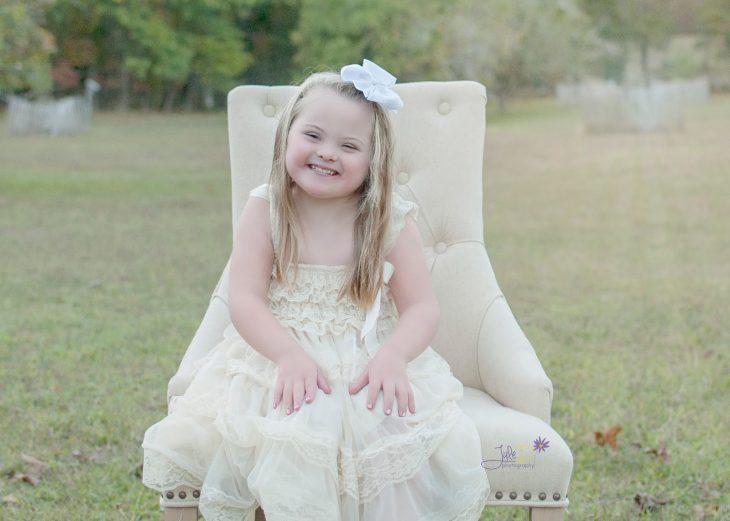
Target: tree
{"x":509,"y":45}
{"x":715,"y":21}
{"x":153,"y":47}
{"x":268,"y":30}
{"x":638,"y":24}
{"x":25,"y":47}
{"x":399,"y":36}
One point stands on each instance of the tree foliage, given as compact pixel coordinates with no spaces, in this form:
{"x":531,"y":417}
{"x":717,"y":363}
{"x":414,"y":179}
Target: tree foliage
{"x":153,"y":47}
{"x":25,"y":47}
{"x":508,"y":45}
{"x":161,"y":54}
{"x":633,"y":25}
{"x":715,"y":21}
{"x":399,"y":36}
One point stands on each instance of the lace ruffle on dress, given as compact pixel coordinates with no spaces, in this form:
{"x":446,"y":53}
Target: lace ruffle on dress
{"x":334,"y":459}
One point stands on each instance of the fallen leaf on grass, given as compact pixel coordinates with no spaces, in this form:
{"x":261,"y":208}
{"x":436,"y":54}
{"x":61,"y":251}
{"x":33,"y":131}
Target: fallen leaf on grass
{"x":92,"y":457}
{"x":10,"y":500}
{"x":661,"y":452}
{"x":710,"y":489}
{"x":608,"y":437}
{"x":32,"y":472}
{"x":648,"y":502}
{"x":699,"y":512}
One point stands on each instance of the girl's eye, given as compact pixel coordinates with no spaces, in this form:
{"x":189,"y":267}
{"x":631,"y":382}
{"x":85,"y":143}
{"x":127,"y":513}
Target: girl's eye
{"x":350,"y":146}
{"x":311,"y":134}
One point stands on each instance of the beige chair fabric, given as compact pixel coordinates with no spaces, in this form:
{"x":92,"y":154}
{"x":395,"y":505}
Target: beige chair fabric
{"x":440,"y":143}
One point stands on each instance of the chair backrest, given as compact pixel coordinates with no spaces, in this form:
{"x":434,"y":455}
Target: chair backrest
{"x":440,"y":146}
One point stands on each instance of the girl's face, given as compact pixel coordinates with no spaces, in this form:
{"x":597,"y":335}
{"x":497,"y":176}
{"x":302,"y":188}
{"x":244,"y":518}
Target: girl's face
{"x":330,"y":144}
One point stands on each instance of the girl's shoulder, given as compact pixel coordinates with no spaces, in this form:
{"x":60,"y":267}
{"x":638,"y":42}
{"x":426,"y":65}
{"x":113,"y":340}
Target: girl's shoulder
{"x":401,"y":208}
{"x":261,"y":191}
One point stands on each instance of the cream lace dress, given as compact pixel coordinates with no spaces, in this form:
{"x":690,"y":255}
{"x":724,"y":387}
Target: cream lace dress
{"x":333,"y":459}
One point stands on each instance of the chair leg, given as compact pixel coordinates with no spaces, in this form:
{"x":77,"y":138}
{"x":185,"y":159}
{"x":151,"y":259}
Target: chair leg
{"x":181,"y":513}
{"x":547,"y":514}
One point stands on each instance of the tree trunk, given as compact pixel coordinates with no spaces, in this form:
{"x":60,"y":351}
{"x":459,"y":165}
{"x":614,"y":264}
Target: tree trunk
{"x":191,"y":92}
{"x":502,"y":102}
{"x":123,"y":100}
{"x":644,"y":47}
{"x":169,"y":99}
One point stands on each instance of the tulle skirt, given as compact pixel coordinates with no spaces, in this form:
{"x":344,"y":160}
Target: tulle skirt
{"x":334,"y":458}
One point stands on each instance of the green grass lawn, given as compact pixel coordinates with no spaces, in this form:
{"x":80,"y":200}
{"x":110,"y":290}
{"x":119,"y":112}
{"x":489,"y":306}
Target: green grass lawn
{"x":612,"y":250}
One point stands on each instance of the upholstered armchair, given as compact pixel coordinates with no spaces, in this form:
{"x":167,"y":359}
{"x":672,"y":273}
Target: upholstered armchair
{"x":440,"y":144}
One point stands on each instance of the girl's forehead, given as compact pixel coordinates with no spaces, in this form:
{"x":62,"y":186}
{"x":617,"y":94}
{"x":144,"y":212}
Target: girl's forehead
{"x":325,"y":106}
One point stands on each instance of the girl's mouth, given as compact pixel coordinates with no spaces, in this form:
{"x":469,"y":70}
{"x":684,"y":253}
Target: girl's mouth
{"x":322,"y":171}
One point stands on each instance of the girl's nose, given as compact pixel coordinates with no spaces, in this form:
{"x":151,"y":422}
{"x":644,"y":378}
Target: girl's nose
{"x":326,"y":153}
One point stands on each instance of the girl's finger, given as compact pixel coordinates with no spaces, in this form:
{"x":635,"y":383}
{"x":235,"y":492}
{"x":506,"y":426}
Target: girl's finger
{"x":401,"y":396}
{"x":310,"y":388}
{"x":359,"y":382}
{"x":411,"y":400}
{"x":322,"y":382}
{"x":277,"y":392}
{"x":388,"y":394}
{"x":287,"y":398}
{"x":373,"y":390}
{"x":298,"y":392}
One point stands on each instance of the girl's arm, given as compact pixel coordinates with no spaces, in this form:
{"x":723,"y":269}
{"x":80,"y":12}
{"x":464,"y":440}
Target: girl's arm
{"x":252,"y":260}
{"x":418,"y":313}
{"x":413,"y":294}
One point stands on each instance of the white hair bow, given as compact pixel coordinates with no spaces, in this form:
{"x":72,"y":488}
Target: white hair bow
{"x":374,"y":82}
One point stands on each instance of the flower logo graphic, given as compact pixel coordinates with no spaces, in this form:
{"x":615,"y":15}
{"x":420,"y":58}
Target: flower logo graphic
{"x":540,"y":444}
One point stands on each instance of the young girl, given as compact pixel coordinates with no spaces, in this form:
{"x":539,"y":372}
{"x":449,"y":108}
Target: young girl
{"x":324,"y":400}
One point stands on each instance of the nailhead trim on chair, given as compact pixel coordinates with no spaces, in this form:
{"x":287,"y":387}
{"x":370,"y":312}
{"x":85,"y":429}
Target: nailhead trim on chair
{"x":180,"y":497}
{"x":527,"y":495}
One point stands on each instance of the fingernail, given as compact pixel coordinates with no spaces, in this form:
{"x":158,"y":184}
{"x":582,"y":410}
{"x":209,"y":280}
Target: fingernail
{"x":288,"y":411}
{"x":401,"y":413}
{"x":387,"y":411}
{"x":370,"y":406}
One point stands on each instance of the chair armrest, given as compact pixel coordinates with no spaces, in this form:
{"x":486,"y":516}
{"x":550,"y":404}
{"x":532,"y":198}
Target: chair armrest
{"x":209,"y":334}
{"x":509,"y":368}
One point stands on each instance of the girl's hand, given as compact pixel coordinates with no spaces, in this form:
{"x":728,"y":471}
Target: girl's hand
{"x":299,"y":377}
{"x":387,"y":370}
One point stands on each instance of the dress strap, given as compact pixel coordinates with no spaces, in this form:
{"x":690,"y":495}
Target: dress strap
{"x":368,"y":333}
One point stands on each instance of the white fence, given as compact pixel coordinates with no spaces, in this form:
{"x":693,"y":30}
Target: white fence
{"x":607,"y":107}
{"x":65,"y":115}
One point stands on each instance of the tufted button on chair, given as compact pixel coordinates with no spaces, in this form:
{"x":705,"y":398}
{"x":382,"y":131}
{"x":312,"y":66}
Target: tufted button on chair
{"x":440,"y":143}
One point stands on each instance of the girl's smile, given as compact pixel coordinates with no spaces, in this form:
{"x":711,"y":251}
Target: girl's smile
{"x":323,"y":171}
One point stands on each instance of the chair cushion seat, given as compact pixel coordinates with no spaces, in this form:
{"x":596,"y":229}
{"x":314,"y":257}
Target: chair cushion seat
{"x":527,"y":462}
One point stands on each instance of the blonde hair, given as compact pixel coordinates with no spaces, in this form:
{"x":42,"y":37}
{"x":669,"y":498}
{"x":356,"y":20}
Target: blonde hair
{"x":373,"y":208}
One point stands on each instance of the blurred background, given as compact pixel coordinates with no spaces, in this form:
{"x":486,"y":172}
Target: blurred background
{"x":186,"y":55}
{"x":606,"y":219}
